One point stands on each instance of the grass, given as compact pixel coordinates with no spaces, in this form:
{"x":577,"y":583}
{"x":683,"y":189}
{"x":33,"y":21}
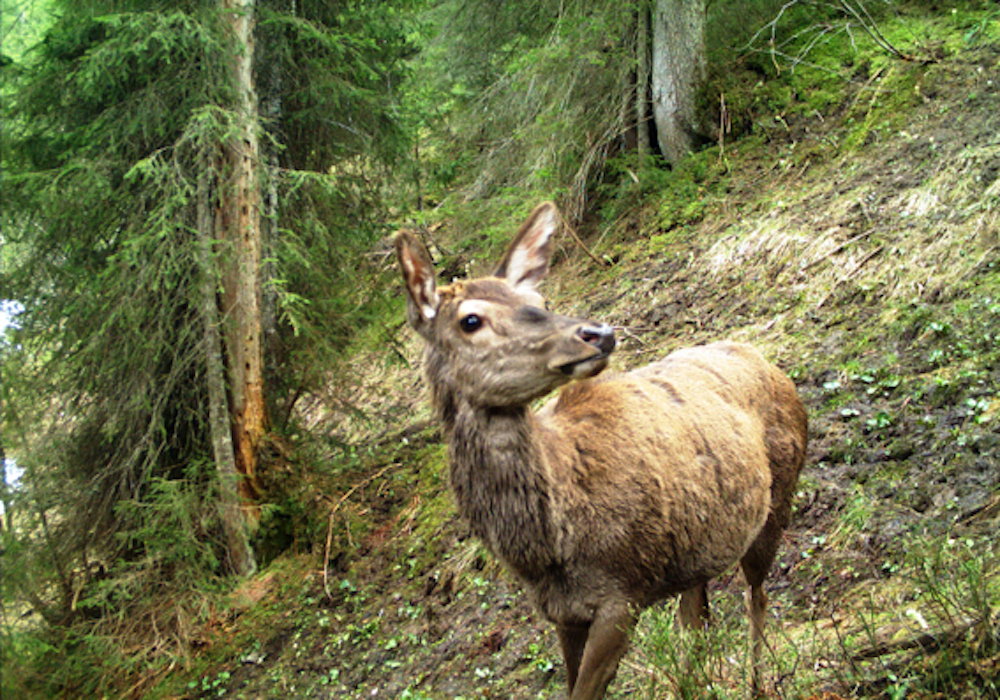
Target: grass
{"x":860,"y":254}
{"x":930,"y":630}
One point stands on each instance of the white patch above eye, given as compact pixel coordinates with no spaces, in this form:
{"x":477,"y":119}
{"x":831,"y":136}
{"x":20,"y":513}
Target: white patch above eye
{"x":477,"y":307}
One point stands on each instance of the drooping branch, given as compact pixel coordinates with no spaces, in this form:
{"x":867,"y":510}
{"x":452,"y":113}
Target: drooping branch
{"x":863,"y":17}
{"x":854,"y":10}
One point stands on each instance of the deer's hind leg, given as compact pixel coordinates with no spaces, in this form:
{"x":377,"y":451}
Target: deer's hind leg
{"x":692,"y":609}
{"x":694,"y":616}
{"x":756,"y":564}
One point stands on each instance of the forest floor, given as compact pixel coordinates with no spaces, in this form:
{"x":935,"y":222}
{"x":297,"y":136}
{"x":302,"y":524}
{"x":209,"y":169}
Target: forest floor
{"x":860,"y":250}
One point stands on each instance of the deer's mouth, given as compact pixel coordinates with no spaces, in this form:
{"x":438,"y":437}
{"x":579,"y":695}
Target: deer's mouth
{"x":581,"y":369}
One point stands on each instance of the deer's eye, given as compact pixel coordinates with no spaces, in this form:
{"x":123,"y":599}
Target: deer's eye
{"x":470,"y":323}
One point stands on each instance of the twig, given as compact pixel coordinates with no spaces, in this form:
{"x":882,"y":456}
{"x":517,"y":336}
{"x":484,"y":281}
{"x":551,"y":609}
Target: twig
{"x":984,"y":512}
{"x":333,"y":511}
{"x":929,"y":641}
{"x":871,"y":27}
{"x":850,"y":274}
{"x":725,"y":125}
{"x":572,"y":232}
{"x":629,"y":334}
{"x":982,"y":260}
{"x":836,"y":250}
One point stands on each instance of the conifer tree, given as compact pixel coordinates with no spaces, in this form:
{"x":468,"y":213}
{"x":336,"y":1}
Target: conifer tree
{"x":137,"y":195}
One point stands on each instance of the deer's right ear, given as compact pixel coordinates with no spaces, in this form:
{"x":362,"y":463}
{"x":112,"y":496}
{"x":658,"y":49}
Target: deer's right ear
{"x":419,"y":278}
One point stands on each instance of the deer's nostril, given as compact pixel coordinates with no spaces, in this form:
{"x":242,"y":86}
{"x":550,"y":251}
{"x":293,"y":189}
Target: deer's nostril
{"x":602,"y":337}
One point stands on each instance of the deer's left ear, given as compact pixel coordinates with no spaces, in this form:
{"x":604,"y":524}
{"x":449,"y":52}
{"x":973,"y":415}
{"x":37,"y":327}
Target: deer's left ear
{"x":527,"y":259}
{"x":419,"y":278}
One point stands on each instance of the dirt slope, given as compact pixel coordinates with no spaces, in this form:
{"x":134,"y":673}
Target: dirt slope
{"x":872,"y":275}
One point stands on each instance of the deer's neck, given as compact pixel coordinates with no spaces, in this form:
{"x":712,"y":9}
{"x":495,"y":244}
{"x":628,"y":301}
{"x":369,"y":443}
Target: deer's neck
{"x":501,"y":484}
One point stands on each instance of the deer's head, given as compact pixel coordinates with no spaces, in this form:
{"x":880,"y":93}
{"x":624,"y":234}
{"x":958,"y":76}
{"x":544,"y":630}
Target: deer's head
{"x":491,"y":340}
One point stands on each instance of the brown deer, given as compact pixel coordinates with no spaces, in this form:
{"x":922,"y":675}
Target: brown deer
{"x":626,"y":488}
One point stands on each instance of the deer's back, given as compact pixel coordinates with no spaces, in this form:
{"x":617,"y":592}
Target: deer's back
{"x":667,"y":471}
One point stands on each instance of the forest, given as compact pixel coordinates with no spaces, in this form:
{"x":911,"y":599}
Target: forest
{"x":222,"y":474}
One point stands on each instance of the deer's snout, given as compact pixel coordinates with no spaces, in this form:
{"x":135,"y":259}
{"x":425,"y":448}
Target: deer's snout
{"x":601,"y":337}
{"x":580,"y":363}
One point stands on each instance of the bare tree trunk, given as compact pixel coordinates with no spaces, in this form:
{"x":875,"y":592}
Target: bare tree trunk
{"x":679,"y":71}
{"x":270,"y":83}
{"x":230,"y":510}
{"x":238,"y":221}
{"x":642,"y":48}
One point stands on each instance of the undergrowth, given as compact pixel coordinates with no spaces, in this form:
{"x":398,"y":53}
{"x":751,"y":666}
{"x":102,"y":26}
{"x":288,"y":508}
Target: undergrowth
{"x":929,"y":630}
{"x":842,"y":228}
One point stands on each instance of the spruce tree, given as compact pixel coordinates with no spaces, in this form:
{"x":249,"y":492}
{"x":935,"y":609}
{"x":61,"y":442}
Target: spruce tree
{"x":174,"y":171}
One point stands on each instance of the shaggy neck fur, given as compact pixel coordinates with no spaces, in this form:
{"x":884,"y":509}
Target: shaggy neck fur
{"x":500,"y":483}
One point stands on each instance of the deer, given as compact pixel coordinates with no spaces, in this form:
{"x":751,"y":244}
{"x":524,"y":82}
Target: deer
{"x":625,"y":488}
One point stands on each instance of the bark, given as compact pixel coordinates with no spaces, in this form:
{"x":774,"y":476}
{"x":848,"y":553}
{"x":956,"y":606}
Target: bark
{"x":270,"y":81}
{"x":230,"y":510}
{"x":679,"y":71}
{"x":238,"y":223}
{"x":642,"y":80}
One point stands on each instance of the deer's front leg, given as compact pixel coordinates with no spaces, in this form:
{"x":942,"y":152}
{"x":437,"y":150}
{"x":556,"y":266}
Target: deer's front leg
{"x":607,"y":642}
{"x":573,"y":640}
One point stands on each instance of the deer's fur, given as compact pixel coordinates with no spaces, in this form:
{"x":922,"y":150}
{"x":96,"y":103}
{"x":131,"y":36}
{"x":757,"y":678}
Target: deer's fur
{"x":625,"y":488}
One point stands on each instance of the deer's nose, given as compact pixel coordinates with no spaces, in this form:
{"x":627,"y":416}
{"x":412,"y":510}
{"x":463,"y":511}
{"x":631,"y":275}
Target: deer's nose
{"x":601,"y":337}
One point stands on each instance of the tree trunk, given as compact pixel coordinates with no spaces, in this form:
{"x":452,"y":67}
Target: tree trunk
{"x":270,"y":81}
{"x":238,"y":222}
{"x":230,"y":511}
{"x":679,"y":71}
{"x":642,"y":49}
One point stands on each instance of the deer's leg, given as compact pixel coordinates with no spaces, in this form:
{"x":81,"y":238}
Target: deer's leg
{"x":607,"y":643}
{"x":756,"y":607}
{"x":572,"y":640}
{"x":692,"y":611}
{"x":756,"y":563}
{"x":693,"y":615}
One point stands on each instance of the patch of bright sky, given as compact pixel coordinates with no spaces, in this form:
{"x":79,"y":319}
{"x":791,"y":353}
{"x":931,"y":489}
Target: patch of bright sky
{"x":8,"y":312}
{"x":8,"y":319}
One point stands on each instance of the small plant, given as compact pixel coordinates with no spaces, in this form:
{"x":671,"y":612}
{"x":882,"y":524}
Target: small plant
{"x":352,"y":596}
{"x":880,"y":421}
{"x":331,"y":677}
{"x":540,"y":658}
{"x":978,"y":409}
{"x":410,"y":694}
{"x":211,"y":686}
{"x":855,"y":517}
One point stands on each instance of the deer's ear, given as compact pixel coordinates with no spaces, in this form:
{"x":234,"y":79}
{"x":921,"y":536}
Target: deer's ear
{"x":527,"y":259}
{"x":419,"y":279}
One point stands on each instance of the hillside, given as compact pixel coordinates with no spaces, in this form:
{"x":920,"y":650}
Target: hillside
{"x":859,"y":248}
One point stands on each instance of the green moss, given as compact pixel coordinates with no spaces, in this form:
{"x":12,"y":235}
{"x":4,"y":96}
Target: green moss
{"x":882,"y":108}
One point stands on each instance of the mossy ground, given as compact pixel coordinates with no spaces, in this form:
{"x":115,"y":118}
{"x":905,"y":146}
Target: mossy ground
{"x":856,"y":240}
